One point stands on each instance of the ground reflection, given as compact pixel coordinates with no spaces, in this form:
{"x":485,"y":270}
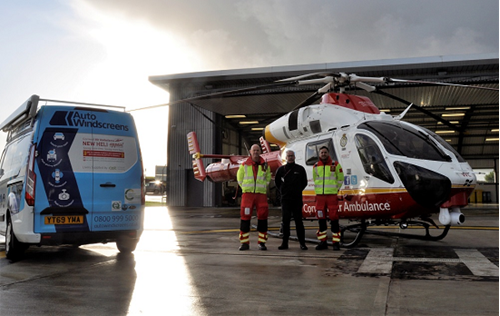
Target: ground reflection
{"x":163,"y":285}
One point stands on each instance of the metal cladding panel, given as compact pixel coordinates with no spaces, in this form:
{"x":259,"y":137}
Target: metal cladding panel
{"x":483,"y":163}
{"x":183,"y":119}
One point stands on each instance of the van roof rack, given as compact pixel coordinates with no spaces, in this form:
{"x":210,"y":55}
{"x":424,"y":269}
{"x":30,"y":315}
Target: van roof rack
{"x":29,"y":108}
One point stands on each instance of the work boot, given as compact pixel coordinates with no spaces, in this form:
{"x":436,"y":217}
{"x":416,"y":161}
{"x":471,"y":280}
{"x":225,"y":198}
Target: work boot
{"x":336,"y":246}
{"x":244,"y":247}
{"x":283,"y":246}
{"x":322,"y":246}
{"x":262,"y":246}
{"x":303,"y":247}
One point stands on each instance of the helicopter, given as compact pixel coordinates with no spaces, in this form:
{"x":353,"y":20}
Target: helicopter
{"x":395,"y":172}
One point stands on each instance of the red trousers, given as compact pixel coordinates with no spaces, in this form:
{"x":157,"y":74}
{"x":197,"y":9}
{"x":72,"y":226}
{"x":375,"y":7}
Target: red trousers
{"x":324,"y":202}
{"x":249,"y":201}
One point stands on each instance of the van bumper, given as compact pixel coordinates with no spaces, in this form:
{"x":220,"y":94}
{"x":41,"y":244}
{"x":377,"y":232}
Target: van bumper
{"x":82,"y":238}
{"x":28,"y":238}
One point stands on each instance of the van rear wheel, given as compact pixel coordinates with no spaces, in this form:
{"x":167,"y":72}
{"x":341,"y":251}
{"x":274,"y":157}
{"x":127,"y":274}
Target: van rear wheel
{"x":126,"y":244}
{"x":13,"y":248}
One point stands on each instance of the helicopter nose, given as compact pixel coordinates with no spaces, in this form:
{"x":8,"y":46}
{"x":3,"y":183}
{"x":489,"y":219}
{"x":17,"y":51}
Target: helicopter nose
{"x":426,"y":187}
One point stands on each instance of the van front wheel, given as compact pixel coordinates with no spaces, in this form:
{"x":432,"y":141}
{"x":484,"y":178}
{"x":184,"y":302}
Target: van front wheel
{"x":126,"y":244}
{"x":13,"y":248}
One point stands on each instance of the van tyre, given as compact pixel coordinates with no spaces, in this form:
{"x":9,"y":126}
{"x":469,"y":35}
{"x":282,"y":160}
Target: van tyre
{"x":126,"y":244}
{"x":14,"y":249}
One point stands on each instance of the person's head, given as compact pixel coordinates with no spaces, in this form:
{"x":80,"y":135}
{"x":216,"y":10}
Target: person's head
{"x":255,"y":152}
{"x":290,"y":156}
{"x":324,"y":153}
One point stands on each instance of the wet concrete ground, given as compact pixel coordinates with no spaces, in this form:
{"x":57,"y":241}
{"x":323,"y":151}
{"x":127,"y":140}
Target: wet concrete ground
{"x":188,"y":263}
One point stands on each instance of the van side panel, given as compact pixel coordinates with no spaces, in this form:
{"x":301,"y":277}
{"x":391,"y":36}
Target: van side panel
{"x":14,"y":168}
{"x":88,"y":170}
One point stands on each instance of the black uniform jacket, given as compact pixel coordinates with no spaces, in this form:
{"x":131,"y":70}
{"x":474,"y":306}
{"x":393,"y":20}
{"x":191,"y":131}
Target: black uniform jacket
{"x":291,"y":180}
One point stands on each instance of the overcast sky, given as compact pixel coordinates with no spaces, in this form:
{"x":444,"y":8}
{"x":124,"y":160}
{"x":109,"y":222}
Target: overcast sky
{"x":103,"y":51}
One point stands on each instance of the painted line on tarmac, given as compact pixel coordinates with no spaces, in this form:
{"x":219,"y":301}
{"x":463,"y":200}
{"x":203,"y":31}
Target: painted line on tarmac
{"x":212,"y":231}
{"x":380,"y":261}
{"x":477,"y":263}
{"x":440,"y":227}
{"x":2,"y":254}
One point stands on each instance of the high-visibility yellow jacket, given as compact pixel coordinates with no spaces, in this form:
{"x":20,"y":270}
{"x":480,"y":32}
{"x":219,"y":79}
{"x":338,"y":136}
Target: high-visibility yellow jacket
{"x":328,"y":177}
{"x":250,"y":183}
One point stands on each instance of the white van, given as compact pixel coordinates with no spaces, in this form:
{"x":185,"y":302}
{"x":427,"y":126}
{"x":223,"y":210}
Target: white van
{"x":70,"y":175}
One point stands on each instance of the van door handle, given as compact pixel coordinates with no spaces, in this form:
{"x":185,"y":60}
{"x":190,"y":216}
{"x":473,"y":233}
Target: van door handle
{"x":108,"y":185}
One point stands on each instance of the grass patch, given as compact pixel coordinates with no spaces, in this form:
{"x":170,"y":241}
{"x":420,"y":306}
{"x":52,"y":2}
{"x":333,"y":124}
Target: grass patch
{"x":150,"y":203}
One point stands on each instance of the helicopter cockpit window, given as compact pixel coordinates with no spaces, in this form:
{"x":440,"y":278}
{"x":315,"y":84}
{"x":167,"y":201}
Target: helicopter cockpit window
{"x":405,"y":141}
{"x":372,"y":159}
{"x":312,"y":151}
{"x":445,"y":144}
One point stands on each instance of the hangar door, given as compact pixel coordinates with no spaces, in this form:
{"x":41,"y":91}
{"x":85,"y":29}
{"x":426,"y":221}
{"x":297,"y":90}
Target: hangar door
{"x":194,"y":196}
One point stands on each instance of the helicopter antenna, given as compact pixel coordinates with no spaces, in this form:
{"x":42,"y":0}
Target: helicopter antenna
{"x":246,"y":147}
{"x":421,"y":109}
{"x":402,"y":114}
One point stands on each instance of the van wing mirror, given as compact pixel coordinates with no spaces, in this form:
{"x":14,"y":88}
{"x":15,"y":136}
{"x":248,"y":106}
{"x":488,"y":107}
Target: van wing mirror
{"x":1,"y":172}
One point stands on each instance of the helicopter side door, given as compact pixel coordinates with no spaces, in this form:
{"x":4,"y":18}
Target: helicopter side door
{"x":311,"y":156}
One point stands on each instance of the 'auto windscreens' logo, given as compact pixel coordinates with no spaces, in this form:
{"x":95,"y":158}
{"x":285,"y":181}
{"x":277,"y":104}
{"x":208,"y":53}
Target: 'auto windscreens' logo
{"x":80,"y":119}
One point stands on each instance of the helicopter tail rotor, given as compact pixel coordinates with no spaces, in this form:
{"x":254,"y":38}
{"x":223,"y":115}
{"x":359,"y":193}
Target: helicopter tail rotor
{"x":194,"y":149}
{"x":264,"y":144}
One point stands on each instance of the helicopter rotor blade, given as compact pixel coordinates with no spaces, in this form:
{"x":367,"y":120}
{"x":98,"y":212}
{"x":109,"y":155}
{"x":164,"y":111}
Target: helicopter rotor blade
{"x":440,"y":84}
{"x":332,"y":80}
{"x":217,"y":94}
{"x":310,"y":100}
{"x":366,"y":86}
{"x":301,"y":77}
{"x":356,"y":78}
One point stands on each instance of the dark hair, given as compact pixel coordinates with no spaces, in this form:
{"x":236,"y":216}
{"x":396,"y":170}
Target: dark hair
{"x":328,"y":150}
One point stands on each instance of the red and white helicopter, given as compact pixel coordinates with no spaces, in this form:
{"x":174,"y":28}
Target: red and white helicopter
{"x":395,"y":172}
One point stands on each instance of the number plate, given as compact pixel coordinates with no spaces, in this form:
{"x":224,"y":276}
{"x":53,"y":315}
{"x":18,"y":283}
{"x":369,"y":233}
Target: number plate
{"x":63,"y":220}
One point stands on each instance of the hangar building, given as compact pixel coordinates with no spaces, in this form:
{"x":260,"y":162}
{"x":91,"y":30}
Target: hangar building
{"x":474,"y":134}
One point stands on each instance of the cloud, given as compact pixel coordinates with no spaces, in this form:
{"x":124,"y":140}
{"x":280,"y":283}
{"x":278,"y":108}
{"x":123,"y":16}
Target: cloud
{"x":238,"y":34}
{"x":103,"y":51}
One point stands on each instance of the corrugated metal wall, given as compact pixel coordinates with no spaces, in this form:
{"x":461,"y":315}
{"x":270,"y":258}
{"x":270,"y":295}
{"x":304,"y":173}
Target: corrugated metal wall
{"x":490,"y":187}
{"x":184,"y":118}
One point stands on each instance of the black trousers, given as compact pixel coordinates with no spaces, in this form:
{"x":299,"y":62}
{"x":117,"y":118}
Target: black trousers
{"x":293,"y":208}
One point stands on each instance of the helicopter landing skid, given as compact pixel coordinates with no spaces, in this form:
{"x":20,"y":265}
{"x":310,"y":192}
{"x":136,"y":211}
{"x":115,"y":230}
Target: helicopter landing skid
{"x":350,"y":235}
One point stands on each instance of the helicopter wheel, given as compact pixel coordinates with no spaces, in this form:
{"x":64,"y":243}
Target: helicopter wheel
{"x":350,"y":235}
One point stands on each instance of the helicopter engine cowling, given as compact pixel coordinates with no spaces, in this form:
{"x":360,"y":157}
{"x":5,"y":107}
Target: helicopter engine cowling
{"x":336,"y":110}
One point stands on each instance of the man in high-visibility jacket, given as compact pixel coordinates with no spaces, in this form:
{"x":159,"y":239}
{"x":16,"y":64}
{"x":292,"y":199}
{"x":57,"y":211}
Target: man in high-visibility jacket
{"x":328,"y":178}
{"x":253,"y":177}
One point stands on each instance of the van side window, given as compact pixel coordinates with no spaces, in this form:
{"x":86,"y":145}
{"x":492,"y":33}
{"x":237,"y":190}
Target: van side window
{"x":312,"y":151}
{"x":15,"y":156}
{"x":372,"y":159}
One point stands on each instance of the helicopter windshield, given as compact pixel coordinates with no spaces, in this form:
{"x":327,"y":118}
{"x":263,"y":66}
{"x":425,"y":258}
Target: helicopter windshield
{"x":405,"y":141}
{"x":445,"y":144}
